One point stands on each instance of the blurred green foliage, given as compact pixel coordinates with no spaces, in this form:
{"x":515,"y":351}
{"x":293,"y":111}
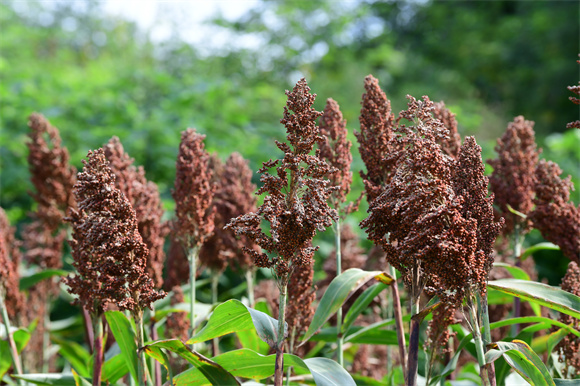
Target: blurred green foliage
{"x":95,"y":76}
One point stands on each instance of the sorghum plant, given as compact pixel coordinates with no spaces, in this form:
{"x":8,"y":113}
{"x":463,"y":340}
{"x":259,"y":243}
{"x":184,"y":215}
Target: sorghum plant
{"x":575,"y":100}
{"x":451,"y":144}
{"x":11,"y":300}
{"x":554,"y":215}
{"x":193,"y":194}
{"x":376,"y":131}
{"x":420,"y":222}
{"x":109,"y":254}
{"x":145,"y":200}
{"x":295,"y":207}
{"x":568,"y":349}
{"x":335,"y":149}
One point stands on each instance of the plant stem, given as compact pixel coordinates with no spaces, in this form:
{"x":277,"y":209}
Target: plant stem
{"x":154,"y":336}
{"x":339,"y":337}
{"x":483,"y":368}
{"x":484,"y":312}
{"x":141,"y":364}
{"x":12,"y":344}
{"x":192,"y":257}
{"x":250,"y":281}
{"x":291,"y":351}
{"x":97,"y":349}
{"x":413,"y":361}
{"x":214,"y":299}
{"x":518,"y":239}
{"x":90,"y":336}
{"x":279,"y":368}
{"x":399,"y":319}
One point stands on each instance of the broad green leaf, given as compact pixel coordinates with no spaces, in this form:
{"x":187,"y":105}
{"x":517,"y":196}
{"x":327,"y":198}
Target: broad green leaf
{"x":209,"y":371}
{"x":546,"y":343}
{"x":21,"y":337}
{"x":565,"y":382}
{"x":124,"y":334}
{"x":233,"y":316}
{"x":523,"y":360}
{"x":538,"y":247}
{"x":159,"y":355}
{"x":250,"y":339}
{"x":327,"y":372}
{"x":360,"y":304}
{"x":516,"y":272}
{"x":246,"y":363}
{"x":80,"y":381}
{"x":48,"y":379}
{"x":336,"y":294}
{"x":497,"y":297}
{"x":114,"y":368}
{"x":76,"y":355}
{"x":28,"y":281}
{"x":543,"y":294}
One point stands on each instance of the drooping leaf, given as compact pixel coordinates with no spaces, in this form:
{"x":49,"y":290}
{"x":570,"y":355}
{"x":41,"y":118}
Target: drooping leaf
{"x":159,"y":355}
{"x":114,"y":369}
{"x":523,"y":360}
{"x":21,"y":338}
{"x":124,"y":334}
{"x":327,"y":372}
{"x":360,"y":304}
{"x":48,"y":379}
{"x":28,"y":281}
{"x":233,"y":316}
{"x":543,"y":294}
{"x":336,"y":294}
{"x":208,"y":370}
{"x":539,"y":247}
{"x":516,"y":272}
{"x":250,"y":339}
{"x":76,"y":355}
{"x":80,"y":381}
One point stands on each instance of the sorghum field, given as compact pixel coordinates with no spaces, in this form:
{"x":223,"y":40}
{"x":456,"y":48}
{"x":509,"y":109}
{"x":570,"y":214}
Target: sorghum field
{"x":386,"y":250}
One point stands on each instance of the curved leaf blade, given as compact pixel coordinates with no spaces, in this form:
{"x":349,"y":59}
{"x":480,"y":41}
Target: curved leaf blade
{"x":28,"y":281}
{"x":124,"y":334}
{"x":539,"y":247}
{"x":209,"y":371}
{"x":336,"y":294}
{"x":543,"y":294}
{"x":327,"y":372}
{"x":114,"y":369}
{"x":523,"y":360}
{"x":361,"y":303}
{"x":48,"y":379}
{"x":234,"y":316}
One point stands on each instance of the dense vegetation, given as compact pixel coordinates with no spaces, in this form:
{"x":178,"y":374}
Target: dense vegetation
{"x":95,"y":77}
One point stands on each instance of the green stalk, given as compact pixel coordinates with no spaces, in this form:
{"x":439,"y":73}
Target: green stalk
{"x":339,"y":337}
{"x":214,"y":299}
{"x":97,"y":349}
{"x":192,"y":257}
{"x":291,"y":351}
{"x":484,"y":313}
{"x":279,"y":368}
{"x":13,"y":350}
{"x":141,"y":363}
{"x":250,"y":281}
{"x":518,"y":240}
{"x":479,"y":349}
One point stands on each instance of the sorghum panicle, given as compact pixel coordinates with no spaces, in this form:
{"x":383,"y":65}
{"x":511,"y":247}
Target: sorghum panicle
{"x":555,"y":216}
{"x":9,"y":261}
{"x":51,"y":174}
{"x":145,"y":200}
{"x":376,"y":131}
{"x":470,"y":182}
{"x":301,"y":294}
{"x":335,"y":149}
{"x":193,"y":192}
{"x":575,"y":100}
{"x":568,"y":348}
{"x":296,"y":205}
{"x":451,"y":144}
{"x":108,"y":251}
{"x":512,"y":180}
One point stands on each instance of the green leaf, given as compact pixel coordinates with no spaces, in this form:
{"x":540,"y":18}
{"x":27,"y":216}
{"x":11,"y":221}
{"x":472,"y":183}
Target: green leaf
{"x":546,"y":343}
{"x":80,"y":381}
{"x":523,"y":360}
{"x":28,"y":281}
{"x":543,"y":294}
{"x":336,"y":294}
{"x":538,"y":247}
{"x":360,"y":304}
{"x":250,"y":339}
{"x":114,"y":369}
{"x":124,"y":334}
{"x":21,"y":337}
{"x":246,"y":363}
{"x":209,"y":371}
{"x":76,"y":355}
{"x":516,"y":272}
{"x":233,"y":316}
{"x":565,"y":382}
{"x":159,"y":355}
{"x":48,"y":379}
{"x":327,"y":372}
